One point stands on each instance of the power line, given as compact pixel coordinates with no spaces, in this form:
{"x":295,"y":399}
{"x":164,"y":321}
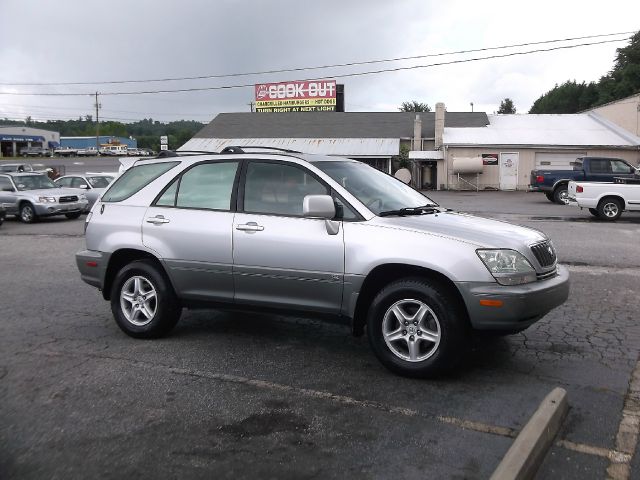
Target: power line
{"x":345,"y":75}
{"x":300,"y":69}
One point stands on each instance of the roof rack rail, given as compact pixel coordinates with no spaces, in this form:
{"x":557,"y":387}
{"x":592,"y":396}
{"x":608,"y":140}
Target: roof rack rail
{"x":240,"y":149}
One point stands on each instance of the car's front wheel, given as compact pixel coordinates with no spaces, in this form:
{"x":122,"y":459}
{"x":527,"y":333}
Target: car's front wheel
{"x":417,"y":329}
{"x":27,"y":213}
{"x":143,"y":302}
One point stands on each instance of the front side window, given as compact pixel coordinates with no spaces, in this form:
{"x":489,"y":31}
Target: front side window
{"x":135,"y":179}
{"x":279,"y":189}
{"x":78,"y":182}
{"x":375,"y":189}
{"x":64,"y":182}
{"x":618,"y":166}
{"x":5,"y":184}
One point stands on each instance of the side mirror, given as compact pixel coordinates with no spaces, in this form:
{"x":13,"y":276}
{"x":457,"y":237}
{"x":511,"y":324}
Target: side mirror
{"x":318,"y":206}
{"x":84,"y":186}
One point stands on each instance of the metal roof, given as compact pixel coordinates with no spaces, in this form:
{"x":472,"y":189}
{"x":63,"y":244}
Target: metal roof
{"x":352,"y":147}
{"x":333,"y":125}
{"x":543,"y":130}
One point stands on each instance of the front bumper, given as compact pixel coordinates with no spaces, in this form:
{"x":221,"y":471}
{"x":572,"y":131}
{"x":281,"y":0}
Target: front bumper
{"x":93,"y":267}
{"x":519,"y":305}
{"x":49,"y":209}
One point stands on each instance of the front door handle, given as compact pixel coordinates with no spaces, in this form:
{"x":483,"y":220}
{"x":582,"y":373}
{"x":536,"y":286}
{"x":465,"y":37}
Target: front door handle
{"x":157,"y":220}
{"x":250,"y":227}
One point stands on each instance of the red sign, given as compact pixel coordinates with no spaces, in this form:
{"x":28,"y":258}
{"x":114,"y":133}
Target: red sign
{"x":296,"y":96}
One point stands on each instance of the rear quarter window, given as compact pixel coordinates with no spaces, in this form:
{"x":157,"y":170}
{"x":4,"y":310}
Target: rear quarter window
{"x":135,"y":179}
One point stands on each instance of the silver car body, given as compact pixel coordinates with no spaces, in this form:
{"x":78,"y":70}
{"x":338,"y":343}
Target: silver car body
{"x":294,"y":263}
{"x":60,"y":201}
{"x":85,"y":184}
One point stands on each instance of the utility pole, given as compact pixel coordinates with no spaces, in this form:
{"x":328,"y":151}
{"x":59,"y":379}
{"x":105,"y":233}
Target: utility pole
{"x":471,"y":106}
{"x":98,"y":107}
{"x":251,"y":104}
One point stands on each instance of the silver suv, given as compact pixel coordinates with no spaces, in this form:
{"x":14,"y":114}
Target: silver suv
{"x":308,"y":234}
{"x":33,"y":195}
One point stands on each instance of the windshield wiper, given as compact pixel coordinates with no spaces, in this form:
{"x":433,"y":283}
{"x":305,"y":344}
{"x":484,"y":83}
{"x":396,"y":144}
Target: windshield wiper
{"x":422,"y":210}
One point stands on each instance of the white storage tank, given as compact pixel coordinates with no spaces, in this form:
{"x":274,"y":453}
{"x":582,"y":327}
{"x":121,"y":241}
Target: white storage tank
{"x":467,"y":165}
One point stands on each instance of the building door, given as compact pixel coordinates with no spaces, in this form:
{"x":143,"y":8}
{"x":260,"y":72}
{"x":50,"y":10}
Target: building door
{"x":509,"y":170}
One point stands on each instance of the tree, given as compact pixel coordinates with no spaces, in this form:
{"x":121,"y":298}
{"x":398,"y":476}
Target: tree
{"x":414,"y":106}
{"x":507,"y":106}
{"x":622,"y":81}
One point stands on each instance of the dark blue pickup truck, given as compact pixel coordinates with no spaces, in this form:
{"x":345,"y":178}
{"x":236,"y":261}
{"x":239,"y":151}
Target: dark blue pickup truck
{"x":586,"y":169}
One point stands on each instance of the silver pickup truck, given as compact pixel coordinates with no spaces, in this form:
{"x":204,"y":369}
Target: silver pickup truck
{"x":33,"y":195}
{"x":313,"y":235}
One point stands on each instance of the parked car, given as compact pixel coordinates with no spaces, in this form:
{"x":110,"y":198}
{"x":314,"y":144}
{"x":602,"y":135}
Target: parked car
{"x":319,"y":235}
{"x":606,"y":201}
{"x":3,"y":213}
{"x":65,"y":152}
{"x":92,"y":184}
{"x":87,"y":152}
{"x":34,"y":195}
{"x":134,"y":152}
{"x":114,"y":150}
{"x":35,"y":152}
{"x":554,"y":183}
{"x":15,"y":167}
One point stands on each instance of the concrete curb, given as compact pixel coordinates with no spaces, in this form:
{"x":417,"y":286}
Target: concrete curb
{"x":532,"y":443}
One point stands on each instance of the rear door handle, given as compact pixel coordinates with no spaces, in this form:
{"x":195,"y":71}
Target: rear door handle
{"x":157,"y":220}
{"x":250,"y":227}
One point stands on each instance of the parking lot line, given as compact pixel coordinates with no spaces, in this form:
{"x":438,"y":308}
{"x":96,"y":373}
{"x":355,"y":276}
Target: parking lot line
{"x":617,"y":458}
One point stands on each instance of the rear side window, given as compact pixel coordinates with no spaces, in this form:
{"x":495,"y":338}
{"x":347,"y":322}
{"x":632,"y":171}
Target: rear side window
{"x":208,"y":186}
{"x":135,"y":179}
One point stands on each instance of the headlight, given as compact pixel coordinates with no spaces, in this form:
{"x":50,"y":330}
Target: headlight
{"x":508,"y":267}
{"x":47,"y":199}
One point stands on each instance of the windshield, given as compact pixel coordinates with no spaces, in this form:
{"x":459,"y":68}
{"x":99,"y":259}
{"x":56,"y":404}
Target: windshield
{"x":377,"y":190}
{"x":99,"y":182}
{"x":33,"y":182}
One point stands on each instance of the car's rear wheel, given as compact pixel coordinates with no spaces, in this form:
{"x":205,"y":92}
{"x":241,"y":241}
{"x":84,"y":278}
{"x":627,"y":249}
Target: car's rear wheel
{"x":416,"y":329}
{"x":610,"y":209}
{"x":27,"y":213}
{"x":73,"y":216}
{"x":550,"y":197}
{"x":561,"y":195}
{"x":143,"y":302}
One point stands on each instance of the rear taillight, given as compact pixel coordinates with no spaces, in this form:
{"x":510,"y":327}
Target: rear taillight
{"x":540,"y":179}
{"x":579,"y":189}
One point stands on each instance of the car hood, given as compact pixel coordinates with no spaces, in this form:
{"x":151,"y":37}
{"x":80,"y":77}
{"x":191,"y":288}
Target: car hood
{"x":51,"y":192}
{"x":482,"y":232}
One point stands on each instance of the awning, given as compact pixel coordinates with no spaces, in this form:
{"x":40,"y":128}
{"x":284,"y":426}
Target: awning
{"x":53,"y":144}
{"x":426,"y":155}
{"x":347,"y":147}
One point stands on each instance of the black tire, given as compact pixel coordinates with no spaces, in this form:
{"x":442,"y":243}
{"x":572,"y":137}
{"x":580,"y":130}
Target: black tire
{"x":550,"y":197}
{"x":73,"y":216}
{"x":432,"y":358}
{"x":560,"y":195}
{"x":27,"y":213}
{"x":165,"y":307}
{"x":610,"y":209}
{"x":594,"y":212}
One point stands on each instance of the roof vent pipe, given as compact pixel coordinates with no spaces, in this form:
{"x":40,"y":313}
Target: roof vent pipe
{"x":417,"y":133}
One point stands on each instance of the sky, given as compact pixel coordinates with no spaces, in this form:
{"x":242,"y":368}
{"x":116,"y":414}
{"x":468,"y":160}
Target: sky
{"x":96,"y":41}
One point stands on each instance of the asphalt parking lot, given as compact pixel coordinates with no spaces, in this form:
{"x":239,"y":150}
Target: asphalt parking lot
{"x":231,"y":395}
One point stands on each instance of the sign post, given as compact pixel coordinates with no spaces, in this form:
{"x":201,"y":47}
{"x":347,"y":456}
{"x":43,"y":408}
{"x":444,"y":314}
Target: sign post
{"x":164,"y":142}
{"x":296,"y":96}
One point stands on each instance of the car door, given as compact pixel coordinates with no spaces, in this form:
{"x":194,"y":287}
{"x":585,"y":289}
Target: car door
{"x":189,"y":225}
{"x":622,"y":169}
{"x":8,"y":196}
{"x":280,"y":258}
{"x":600,"y":170}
